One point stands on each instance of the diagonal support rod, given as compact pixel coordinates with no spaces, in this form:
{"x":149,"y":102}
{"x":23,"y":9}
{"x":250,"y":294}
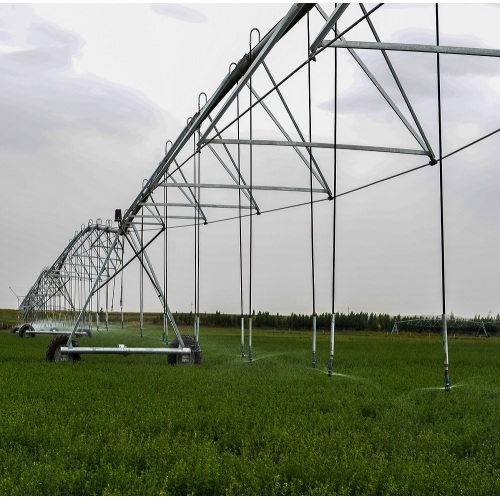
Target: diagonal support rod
{"x":379,"y":87}
{"x":339,"y":10}
{"x":400,"y":86}
{"x":154,"y":280}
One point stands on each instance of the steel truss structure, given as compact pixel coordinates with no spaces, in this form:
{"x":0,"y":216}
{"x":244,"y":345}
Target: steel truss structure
{"x":218,"y":162}
{"x":60,"y":291}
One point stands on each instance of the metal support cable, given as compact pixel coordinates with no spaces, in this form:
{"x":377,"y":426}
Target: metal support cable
{"x":195,"y":235}
{"x":240,"y":229}
{"x":141,"y":275}
{"x":108,"y":244}
{"x":90,"y":265}
{"x":97,"y":291}
{"x":238,"y":168}
{"x":441,"y":200}
{"x":311,"y":206}
{"x":250,"y":263}
{"x":165,"y":260}
{"x":310,"y":173}
{"x":198,"y":189}
{"x":198,"y":232}
{"x":441,"y":203}
{"x":334,"y":228}
{"x":121,"y":280}
{"x":471,"y":143}
{"x":113,"y":294}
{"x":250,"y":191}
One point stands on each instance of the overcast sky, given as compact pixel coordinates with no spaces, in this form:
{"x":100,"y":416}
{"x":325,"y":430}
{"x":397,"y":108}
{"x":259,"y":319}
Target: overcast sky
{"x":89,"y":94}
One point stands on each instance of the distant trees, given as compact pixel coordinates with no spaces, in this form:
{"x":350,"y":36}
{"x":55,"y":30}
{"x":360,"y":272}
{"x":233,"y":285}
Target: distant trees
{"x":354,"y":321}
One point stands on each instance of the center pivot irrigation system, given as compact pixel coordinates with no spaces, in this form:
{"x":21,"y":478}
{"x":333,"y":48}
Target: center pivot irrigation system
{"x":256,"y":146}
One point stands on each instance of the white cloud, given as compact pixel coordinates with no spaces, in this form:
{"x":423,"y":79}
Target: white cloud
{"x":72,"y":146}
{"x":180,"y":12}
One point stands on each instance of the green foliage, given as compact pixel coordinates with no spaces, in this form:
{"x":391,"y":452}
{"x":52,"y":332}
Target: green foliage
{"x":354,"y":321}
{"x":382,"y":425}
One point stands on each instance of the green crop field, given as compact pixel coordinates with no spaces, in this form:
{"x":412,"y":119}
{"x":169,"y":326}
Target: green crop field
{"x":382,"y":425}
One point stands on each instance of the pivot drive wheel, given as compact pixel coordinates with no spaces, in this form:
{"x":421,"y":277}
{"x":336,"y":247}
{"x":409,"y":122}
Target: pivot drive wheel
{"x":26,"y":331}
{"x":193,"y":357}
{"x":54,"y":350}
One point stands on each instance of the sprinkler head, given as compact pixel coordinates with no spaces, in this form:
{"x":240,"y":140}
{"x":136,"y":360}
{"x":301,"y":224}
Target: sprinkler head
{"x":447,"y":383}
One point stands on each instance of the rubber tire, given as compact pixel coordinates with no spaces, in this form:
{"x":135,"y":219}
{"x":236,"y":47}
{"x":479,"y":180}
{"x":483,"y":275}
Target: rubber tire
{"x":24,"y":331}
{"x":53,"y":353}
{"x":174,"y":359}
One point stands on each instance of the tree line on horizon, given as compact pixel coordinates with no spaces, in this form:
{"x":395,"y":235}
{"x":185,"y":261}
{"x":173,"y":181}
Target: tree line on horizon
{"x":354,"y":321}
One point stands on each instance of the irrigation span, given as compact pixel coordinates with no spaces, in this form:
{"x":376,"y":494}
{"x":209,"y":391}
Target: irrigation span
{"x":258,"y":146}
